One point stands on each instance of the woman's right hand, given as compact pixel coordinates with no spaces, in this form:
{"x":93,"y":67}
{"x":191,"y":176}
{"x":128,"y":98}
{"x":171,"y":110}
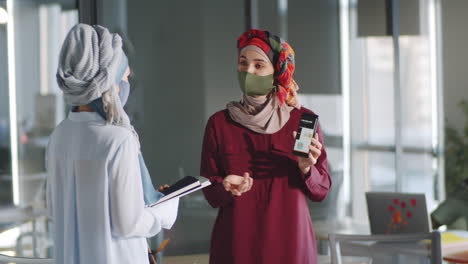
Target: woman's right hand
{"x":238,"y":185}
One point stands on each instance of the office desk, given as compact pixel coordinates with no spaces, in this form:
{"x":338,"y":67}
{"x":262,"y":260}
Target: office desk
{"x":457,"y":256}
{"x":348,"y":226}
{"x":203,"y":259}
{"x":460,"y":257}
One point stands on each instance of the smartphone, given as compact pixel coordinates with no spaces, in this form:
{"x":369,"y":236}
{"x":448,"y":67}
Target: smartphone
{"x":305,"y":133}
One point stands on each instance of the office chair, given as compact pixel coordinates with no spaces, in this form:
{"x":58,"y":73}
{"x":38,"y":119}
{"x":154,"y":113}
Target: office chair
{"x":391,"y":248}
{"x":15,"y":216}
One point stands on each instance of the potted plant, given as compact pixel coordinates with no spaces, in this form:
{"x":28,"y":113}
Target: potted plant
{"x":454,"y":210}
{"x":456,"y":154}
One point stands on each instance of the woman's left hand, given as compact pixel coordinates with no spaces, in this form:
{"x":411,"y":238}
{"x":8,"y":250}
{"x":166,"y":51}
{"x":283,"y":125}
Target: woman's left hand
{"x":162,"y":188}
{"x":315,"y":152}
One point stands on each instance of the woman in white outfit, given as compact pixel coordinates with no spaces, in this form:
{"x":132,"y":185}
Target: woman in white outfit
{"x":95,"y":194}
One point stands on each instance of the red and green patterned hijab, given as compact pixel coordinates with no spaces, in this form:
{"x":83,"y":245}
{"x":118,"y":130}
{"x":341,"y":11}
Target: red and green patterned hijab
{"x":282,"y":56}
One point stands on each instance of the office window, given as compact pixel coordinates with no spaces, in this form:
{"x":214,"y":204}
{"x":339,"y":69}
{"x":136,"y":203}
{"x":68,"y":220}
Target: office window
{"x":385,"y":118}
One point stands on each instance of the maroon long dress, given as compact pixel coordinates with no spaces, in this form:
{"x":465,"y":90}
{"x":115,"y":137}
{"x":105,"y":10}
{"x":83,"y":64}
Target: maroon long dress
{"x":270,"y":223}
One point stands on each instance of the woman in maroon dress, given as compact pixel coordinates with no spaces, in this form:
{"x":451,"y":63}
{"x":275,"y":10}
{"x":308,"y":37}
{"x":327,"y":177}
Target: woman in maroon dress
{"x":259,"y":186}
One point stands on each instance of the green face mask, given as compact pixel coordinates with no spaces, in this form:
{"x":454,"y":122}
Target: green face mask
{"x":254,"y":85}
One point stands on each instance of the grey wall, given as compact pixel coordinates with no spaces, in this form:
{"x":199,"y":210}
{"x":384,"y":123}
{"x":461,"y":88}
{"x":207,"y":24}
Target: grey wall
{"x":373,"y":20}
{"x":314,"y":34}
{"x":169,"y":65}
{"x":169,"y":72}
{"x":455,"y":57}
{"x":223,"y":22}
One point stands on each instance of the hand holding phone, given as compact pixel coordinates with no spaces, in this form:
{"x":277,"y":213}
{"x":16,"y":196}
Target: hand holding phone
{"x":305,"y":132}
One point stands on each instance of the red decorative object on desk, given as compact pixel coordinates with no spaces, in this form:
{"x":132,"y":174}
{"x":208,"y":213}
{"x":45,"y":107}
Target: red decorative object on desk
{"x":460,"y":257}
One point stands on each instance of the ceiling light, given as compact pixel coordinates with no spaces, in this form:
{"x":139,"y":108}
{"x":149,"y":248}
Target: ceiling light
{"x":3,"y":16}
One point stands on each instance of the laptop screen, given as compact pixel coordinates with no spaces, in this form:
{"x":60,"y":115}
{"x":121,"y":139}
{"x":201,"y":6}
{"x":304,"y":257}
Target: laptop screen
{"x":396,"y":213}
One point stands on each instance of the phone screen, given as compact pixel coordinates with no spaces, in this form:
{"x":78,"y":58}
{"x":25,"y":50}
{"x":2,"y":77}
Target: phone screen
{"x":305,"y":133}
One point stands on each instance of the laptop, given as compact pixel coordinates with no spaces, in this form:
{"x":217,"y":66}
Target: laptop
{"x":397,"y":213}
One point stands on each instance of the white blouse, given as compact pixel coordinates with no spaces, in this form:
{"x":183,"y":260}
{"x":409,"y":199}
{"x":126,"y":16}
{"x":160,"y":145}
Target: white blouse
{"x":95,"y":194}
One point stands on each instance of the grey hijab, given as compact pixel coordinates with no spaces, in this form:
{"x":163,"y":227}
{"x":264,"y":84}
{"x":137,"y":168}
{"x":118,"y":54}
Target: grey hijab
{"x":88,"y":67}
{"x":91,"y":63}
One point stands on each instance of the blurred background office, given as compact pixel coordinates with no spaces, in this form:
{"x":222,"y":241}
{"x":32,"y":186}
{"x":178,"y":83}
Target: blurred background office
{"x":386,"y":84}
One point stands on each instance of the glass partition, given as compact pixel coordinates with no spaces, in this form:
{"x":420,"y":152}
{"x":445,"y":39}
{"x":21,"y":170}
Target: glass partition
{"x":30,"y":108}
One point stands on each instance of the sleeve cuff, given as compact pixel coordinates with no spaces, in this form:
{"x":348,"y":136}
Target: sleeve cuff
{"x":216,"y":195}
{"x":308,"y":174}
{"x":166,"y":212}
{"x":309,"y":178}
